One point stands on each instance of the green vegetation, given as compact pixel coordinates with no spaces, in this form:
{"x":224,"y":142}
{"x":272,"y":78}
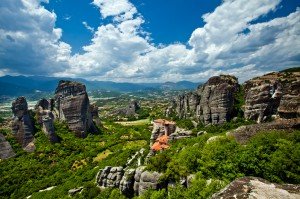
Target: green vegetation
{"x":70,"y":163}
{"x":271,"y":155}
{"x":239,"y":101}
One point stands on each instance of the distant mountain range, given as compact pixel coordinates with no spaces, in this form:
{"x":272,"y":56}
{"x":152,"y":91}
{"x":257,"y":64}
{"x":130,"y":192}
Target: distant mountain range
{"x":22,"y":85}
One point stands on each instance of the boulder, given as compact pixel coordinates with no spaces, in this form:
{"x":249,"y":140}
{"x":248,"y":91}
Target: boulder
{"x":22,"y":124}
{"x":127,"y":182}
{"x":6,"y":150}
{"x":74,"y":191}
{"x":148,"y":180}
{"x":72,"y":105}
{"x":258,"y":188}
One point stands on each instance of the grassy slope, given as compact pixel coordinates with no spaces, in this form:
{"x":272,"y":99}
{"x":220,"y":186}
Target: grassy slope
{"x":68,"y":164}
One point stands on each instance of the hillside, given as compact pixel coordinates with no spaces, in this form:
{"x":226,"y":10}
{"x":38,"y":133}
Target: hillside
{"x":207,"y":143}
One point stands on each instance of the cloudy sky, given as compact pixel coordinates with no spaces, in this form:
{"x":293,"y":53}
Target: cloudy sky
{"x":148,"y":40}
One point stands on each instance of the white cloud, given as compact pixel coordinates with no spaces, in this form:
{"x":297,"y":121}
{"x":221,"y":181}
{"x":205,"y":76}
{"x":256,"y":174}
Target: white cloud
{"x":120,"y":52}
{"x":231,"y":41}
{"x":29,"y":42}
{"x":67,"y":17}
{"x":120,"y":9}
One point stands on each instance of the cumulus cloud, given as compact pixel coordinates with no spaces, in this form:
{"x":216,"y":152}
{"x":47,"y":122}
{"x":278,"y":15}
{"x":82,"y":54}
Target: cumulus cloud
{"x":231,"y":41}
{"x":29,"y":42}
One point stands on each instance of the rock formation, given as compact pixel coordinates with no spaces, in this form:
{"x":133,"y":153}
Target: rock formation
{"x":145,"y":181}
{"x":257,"y":188}
{"x":6,"y":150}
{"x":273,"y":94}
{"x":129,"y":181}
{"x":130,"y":110}
{"x":211,"y":103}
{"x":45,"y":118}
{"x":245,"y":133}
{"x":72,"y":105}
{"x":95,"y":114}
{"x":22,"y":124}
{"x":110,"y":177}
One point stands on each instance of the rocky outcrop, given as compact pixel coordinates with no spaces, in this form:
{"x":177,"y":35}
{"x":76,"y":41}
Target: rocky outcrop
{"x":244,"y":133}
{"x":130,"y":110}
{"x":147,"y":180}
{"x":272,"y":94}
{"x":129,"y":181}
{"x":95,"y":114}
{"x":22,"y":124}
{"x":211,"y":103}
{"x":72,"y":105}
{"x":110,"y":177}
{"x":258,"y":188}
{"x":45,"y":118}
{"x":180,"y":134}
{"x":6,"y":150}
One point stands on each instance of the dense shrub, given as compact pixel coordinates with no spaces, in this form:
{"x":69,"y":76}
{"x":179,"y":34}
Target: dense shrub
{"x":270,"y":155}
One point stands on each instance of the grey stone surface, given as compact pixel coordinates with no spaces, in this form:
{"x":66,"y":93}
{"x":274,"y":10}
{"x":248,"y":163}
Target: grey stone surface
{"x":72,"y":105}
{"x":45,"y":118}
{"x":258,"y":188}
{"x":211,"y":103}
{"x":6,"y":151}
{"x":22,"y":124}
{"x":272,"y":94}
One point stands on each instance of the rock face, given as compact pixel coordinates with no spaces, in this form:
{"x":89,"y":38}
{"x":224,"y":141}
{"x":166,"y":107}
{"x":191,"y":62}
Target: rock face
{"x":95,"y":114}
{"x":46,"y":118}
{"x":130,"y":110}
{"x":212,"y":103}
{"x":257,"y":188}
{"x":147,"y":180}
{"x":272,"y":94}
{"x":72,"y":105}
{"x":129,"y":181}
{"x":110,"y":177}
{"x":22,"y":125}
{"x":6,"y":150}
{"x":245,"y":133}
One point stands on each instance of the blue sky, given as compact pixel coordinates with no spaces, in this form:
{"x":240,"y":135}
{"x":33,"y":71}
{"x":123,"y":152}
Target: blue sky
{"x":168,"y":21}
{"x":148,"y":40}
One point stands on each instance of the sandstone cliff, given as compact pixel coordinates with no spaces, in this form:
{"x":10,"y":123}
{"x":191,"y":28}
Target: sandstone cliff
{"x":72,"y":105}
{"x":212,"y":103}
{"x":275,"y":94}
{"x":45,"y":118}
{"x":22,"y":124}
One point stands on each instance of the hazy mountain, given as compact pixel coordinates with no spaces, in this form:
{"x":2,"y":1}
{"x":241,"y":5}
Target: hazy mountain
{"x":22,"y":85}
